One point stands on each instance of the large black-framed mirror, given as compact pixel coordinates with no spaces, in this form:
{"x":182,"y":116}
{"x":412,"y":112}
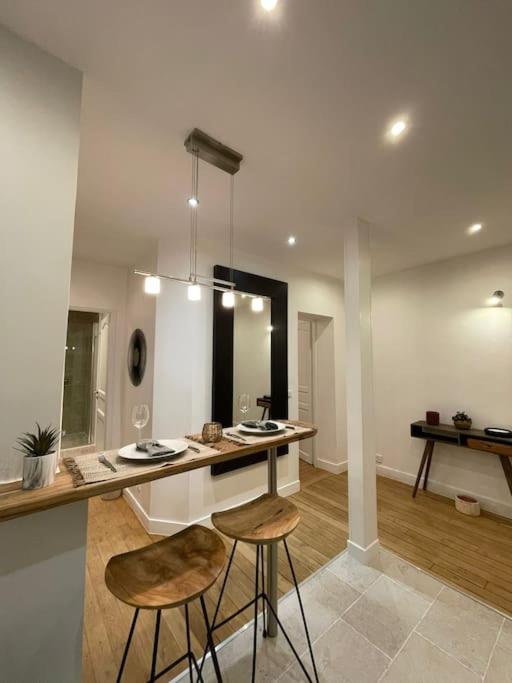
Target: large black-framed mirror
{"x":269,"y":328}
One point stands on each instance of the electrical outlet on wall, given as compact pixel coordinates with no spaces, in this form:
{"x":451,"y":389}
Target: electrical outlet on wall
{"x":379,"y":458}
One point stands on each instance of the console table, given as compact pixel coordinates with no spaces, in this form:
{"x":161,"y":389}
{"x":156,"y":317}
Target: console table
{"x":474,"y":439}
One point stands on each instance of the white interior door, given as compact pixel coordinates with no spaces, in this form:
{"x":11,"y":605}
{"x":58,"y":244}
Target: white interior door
{"x":100,"y":393}
{"x":306,"y":384}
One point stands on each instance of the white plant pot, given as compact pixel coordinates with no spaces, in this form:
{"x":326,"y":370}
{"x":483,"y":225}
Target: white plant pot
{"x":467,"y":505}
{"x":39,"y":471}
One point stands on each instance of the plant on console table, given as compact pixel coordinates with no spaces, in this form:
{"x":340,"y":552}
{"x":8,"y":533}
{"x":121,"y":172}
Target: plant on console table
{"x":40,"y":461}
{"x":462,"y":420}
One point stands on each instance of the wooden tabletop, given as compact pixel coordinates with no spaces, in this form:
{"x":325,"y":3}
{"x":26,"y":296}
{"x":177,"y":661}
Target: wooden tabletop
{"x":15,"y":502}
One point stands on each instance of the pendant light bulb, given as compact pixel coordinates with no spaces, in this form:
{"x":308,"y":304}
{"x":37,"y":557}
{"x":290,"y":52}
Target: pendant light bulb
{"x":152,"y":285}
{"x":228,"y":300}
{"x":257,"y":304}
{"x":194,"y":292}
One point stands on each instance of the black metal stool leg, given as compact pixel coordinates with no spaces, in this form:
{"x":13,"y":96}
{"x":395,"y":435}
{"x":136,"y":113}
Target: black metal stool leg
{"x":127,"y":647}
{"x":217,"y":608}
{"x":301,"y":608}
{"x":263,"y":603}
{"x":209,"y":640}
{"x":189,"y":646}
{"x":155,"y":645}
{"x":255,"y":638}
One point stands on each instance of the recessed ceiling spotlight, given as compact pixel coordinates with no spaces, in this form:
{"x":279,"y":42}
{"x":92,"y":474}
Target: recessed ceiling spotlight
{"x":292,"y":240}
{"x":473,"y":229}
{"x":268,"y":5}
{"x":397,"y":128}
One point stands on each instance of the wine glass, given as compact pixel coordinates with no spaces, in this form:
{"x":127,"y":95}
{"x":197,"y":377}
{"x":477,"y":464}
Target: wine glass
{"x":244,"y":404}
{"x":140,"y":418}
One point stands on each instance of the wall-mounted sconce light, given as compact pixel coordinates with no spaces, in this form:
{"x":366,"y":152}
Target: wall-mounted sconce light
{"x":497,"y":298}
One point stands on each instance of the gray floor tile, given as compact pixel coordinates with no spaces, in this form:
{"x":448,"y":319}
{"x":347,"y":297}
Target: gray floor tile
{"x":235,"y":659}
{"x":344,"y":656}
{"x":422,"y":662}
{"x":500,"y":666}
{"x":325,"y":598}
{"x":463,"y":628}
{"x":396,"y":568}
{"x":353,"y":572}
{"x":386,"y":614}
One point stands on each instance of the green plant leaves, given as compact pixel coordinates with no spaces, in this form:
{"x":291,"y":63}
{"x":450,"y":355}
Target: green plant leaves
{"x":40,"y":443}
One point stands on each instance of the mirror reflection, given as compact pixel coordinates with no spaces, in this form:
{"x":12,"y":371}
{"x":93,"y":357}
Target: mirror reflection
{"x":251,"y":360}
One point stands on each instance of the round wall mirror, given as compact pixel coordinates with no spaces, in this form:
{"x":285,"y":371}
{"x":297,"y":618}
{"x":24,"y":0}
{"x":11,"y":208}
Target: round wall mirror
{"x":137,"y":350}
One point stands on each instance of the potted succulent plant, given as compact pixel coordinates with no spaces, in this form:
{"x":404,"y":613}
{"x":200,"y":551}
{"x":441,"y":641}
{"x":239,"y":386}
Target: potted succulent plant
{"x":40,"y":461}
{"x":462,"y":420}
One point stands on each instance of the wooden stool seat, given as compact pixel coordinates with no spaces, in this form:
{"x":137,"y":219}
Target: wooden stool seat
{"x":265,"y":520}
{"x":168,"y":573}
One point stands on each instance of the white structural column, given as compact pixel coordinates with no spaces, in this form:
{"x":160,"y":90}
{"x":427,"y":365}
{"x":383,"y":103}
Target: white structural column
{"x":361,"y":439}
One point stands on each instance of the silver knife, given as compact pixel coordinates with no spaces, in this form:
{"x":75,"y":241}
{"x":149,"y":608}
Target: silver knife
{"x":194,"y":448}
{"x":236,"y":436}
{"x":107,"y":463}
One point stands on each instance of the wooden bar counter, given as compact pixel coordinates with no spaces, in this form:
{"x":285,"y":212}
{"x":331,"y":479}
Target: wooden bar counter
{"x":16,"y":502}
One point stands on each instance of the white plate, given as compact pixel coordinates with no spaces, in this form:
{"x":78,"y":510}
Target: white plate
{"x":130,"y":452}
{"x":260,"y":432}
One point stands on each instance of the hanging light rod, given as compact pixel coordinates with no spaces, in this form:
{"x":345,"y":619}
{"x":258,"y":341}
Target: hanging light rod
{"x":214,"y":152}
{"x":216,"y":287}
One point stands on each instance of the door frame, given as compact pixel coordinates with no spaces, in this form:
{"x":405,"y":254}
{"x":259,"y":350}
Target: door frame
{"x":314,"y":388}
{"x":111,"y":358}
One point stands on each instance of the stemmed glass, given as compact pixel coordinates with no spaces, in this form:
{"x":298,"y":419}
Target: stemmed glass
{"x":244,"y":404}
{"x":140,"y":418}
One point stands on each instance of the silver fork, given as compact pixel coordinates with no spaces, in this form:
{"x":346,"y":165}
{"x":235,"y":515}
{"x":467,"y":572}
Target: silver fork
{"x":106,"y":462}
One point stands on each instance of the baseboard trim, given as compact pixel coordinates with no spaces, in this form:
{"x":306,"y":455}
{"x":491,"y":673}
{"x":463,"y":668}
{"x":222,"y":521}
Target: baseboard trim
{"x":332,"y":467}
{"x":363,"y":555}
{"x":169,"y":527}
{"x":498,"y":507}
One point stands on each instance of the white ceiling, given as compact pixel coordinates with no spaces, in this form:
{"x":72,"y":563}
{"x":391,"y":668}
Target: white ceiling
{"x":305,"y":93}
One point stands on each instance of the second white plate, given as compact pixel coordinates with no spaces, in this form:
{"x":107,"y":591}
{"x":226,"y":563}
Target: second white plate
{"x":260,"y":432}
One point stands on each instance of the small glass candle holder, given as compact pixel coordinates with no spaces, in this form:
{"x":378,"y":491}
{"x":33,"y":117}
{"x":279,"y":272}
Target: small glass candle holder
{"x":212,"y":432}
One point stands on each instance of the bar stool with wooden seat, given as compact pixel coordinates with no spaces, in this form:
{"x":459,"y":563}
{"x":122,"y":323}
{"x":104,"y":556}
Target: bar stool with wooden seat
{"x":265,"y":520}
{"x":166,"y":574}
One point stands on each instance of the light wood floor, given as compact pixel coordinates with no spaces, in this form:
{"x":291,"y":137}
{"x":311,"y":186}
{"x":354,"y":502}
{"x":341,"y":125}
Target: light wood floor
{"x":475,"y":554}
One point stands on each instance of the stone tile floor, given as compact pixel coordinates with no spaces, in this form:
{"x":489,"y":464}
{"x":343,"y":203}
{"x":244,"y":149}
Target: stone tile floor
{"x":388,"y":622}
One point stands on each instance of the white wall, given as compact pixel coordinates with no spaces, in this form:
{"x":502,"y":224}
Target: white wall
{"x":103,"y":288}
{"x":182,"y":383}
{"x":43,"y":556}
{"x":437,"y":346}
{"x":140,"y":313}
{"x":39,"y":139}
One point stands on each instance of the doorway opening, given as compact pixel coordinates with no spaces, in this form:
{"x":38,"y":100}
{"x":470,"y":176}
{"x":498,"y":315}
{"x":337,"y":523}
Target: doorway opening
{"x":317,"y":396}
{"x":85,"y":380}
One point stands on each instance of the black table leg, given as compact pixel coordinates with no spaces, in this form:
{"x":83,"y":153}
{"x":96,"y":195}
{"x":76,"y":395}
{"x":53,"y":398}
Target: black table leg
{"x":507,"y":469}
{"x":427,"y":451}
{"x":429,"y":462}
